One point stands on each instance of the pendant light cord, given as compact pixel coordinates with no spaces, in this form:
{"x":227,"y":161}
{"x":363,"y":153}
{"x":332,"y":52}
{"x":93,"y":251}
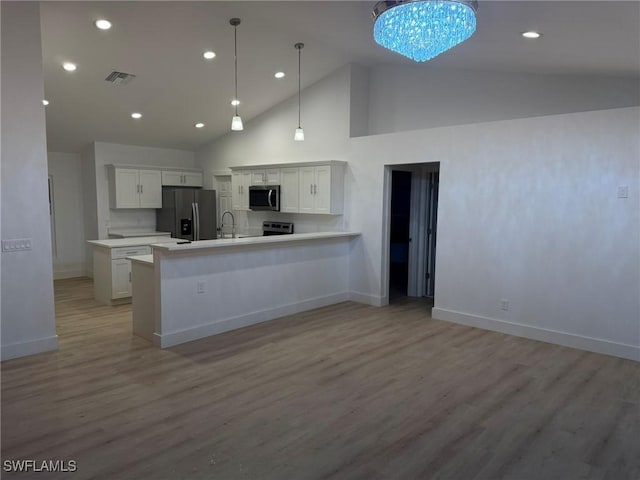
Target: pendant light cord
{"x":299,"y":96}
{"x":235,"y":56}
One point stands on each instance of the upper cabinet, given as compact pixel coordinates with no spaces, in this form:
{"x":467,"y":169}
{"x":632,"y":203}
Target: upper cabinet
{"x":182,"y":178}
{"x":240,"y":183}
{"x":322,"y":189}
{"x":290,"y":190}
{"x":313,"y":187}
{"x":268,"y":176}
{"x":134,"y":188}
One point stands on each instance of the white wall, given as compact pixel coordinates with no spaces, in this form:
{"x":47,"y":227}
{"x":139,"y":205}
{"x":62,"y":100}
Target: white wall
{"x":405,"y":98}
{"x":27,"y":323}
{"x":528,"y":212}
{"x":66,"y":174}
{"x":90,"y":203}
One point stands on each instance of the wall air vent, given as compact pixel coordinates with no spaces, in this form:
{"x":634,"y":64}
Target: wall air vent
{"x":120,"y":78}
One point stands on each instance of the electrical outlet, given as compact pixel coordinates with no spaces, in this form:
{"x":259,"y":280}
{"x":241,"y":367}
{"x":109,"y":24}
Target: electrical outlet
{"x":623,"y":191}
{"x":16,"y":245}
{"x":504,"y":305}
{"x":200,"y":287}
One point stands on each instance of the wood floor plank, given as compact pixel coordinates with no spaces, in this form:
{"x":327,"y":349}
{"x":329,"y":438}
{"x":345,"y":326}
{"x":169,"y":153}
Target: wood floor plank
{"x":343,"y":392}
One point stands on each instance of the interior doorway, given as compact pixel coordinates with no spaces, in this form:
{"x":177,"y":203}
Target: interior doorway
{"x":399,"y":231}
{"x":412,"y":225}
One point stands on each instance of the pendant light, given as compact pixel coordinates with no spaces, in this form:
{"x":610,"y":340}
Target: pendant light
{"x":236,"y":122}
{"x":299,"y":135}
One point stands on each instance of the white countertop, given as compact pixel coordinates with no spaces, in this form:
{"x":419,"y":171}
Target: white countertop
{"x":131,"y":242}
{"x":249,"y":241}
{"x":136,"y":232}
{"x":144,"y":259}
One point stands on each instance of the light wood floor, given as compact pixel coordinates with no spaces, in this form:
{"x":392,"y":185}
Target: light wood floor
{"x":342,"y":392}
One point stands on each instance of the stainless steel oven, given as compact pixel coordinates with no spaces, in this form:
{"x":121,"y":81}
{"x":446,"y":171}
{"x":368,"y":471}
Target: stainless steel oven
{"x":270,"y":228}
{"x":264,"y":197}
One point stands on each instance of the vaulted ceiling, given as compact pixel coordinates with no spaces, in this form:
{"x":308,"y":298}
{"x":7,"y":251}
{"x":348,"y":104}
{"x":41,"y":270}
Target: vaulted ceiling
{"x":162,"y":44}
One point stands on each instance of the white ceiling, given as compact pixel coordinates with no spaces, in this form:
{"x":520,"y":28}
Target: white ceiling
{"x":162,"y":43}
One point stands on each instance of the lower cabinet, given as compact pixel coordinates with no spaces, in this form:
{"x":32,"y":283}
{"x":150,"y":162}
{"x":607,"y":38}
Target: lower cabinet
{"x":112,"y":273}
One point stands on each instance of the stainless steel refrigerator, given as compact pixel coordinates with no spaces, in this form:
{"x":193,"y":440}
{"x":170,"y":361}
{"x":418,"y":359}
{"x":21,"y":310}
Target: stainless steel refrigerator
{"x":188,"y":213}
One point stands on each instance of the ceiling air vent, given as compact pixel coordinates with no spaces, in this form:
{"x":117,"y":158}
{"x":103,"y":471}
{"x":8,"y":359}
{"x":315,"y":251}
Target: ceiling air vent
{"x":120,"y":78}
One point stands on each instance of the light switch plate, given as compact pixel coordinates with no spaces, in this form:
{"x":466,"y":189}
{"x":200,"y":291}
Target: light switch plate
{"x":623,"y":191}
{"x":16,"y":245}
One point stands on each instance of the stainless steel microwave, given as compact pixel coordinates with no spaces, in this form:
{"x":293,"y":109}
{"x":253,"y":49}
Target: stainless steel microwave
{"x":264,"y":197}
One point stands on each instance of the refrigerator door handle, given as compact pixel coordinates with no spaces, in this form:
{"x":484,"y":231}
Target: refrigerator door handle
{"x":194,"y":222}
{"x":197,"y":221}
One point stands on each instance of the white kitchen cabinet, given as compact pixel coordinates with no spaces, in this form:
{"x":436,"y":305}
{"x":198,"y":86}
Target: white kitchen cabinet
{"x":240,"y":183}
{"x":112,"y":273}
{"x":182,"y":178}
{"x":322,"y":189}
{"x":120,"y":278}
{"x":134,"y":188}
{"x":268,"y":176}
{"x":289,"y":190}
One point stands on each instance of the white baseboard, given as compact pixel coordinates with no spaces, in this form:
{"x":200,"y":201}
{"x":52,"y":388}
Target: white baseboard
{"x":194,"y":333}
{"x":69,"y":272}
{"x":22,"y":349}
{"x":373,"y":300}
{"x":597,"y":345}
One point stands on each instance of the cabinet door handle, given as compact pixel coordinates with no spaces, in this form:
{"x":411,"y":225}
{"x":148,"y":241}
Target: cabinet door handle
{"x":315,"y":189}
{"x":129,"y":276}
{"x":311,"y":188}
{"x":141,"y":189}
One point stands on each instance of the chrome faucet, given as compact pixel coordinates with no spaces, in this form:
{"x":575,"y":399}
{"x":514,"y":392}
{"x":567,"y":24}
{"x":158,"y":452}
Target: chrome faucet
{"x":233,"y":224}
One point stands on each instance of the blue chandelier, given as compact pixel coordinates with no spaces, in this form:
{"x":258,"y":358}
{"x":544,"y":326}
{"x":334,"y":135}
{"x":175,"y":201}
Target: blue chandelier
{"x":423,"y":29}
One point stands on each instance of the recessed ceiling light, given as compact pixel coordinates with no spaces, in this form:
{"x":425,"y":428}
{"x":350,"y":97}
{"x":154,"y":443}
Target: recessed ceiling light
{"x":136,"y":115}
{"x":45,"y":102}
{"x":279,"y":75}
{"x":199,"y":125}
{"x":69,"y":67}
{"x":103,"y":24}
{"x":209,"y":55}
{"x":235,"y":103}
{"x":531,"y":34}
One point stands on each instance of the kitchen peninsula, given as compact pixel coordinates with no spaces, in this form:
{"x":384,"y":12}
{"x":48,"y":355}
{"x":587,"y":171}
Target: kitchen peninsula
{"x":188,"y":291}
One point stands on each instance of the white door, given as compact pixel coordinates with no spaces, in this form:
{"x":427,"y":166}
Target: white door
{"x":322,"y":190}
{"x":120,"y":278}
{"x":150,"y":189}
{"x":289,"y":190}
{"x":127,"y":188}
{"x":306,"y":189}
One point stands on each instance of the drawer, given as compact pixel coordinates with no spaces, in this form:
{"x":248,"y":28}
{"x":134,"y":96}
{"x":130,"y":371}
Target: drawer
{"x":123,"y":252}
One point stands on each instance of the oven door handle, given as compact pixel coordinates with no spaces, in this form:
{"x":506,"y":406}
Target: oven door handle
{"x":269,"y":198}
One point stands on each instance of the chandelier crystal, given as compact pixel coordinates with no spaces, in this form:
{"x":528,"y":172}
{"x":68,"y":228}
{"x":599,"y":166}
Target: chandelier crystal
{"x":423,"y":29}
